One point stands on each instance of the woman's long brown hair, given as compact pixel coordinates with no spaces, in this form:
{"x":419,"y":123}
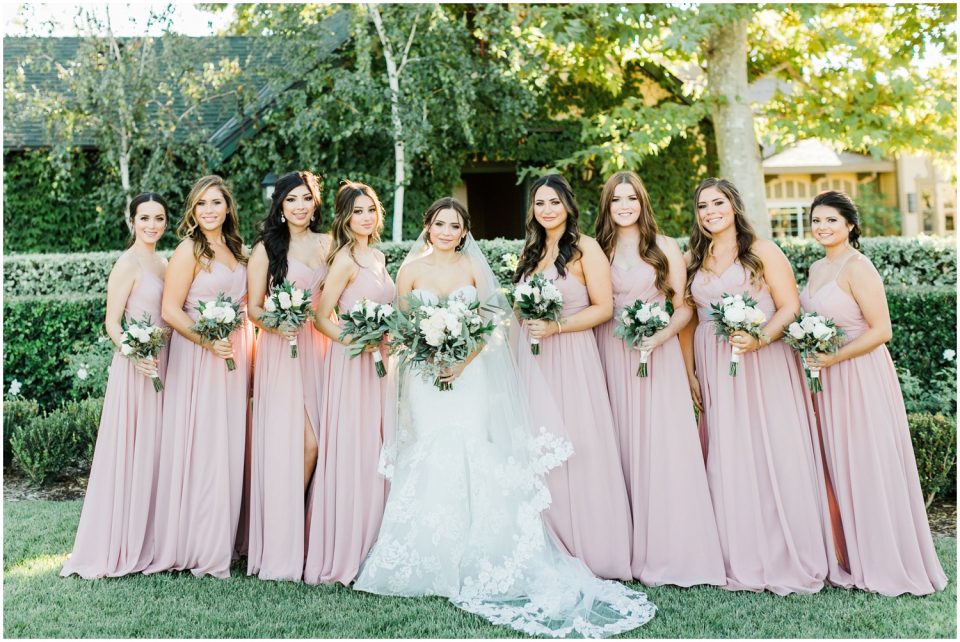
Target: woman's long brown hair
{"x":535,"y":246}
{"x":190,"y":228}
{"x":340,"y":231}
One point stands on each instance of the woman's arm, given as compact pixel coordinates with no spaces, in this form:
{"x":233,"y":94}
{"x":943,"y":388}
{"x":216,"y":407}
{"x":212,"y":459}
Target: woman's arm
{"x":677,"y":277}
{"x":341,"y":274}
{"x":120,"y":284}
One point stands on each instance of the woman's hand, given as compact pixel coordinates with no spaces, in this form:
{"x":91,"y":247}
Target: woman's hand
{"x":820,"y":360}
{"x":449,"y":375}
{"x":287,"y":332}
{"x":540,"y":328}
{"x":651,"y":343}
{"x":744,"y":342}
{"x":147,"y":366}
{"x":695,"y":393}
{"x":221,"y":348}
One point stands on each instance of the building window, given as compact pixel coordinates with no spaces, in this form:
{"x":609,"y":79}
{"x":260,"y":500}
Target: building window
{"x":788,"y":221}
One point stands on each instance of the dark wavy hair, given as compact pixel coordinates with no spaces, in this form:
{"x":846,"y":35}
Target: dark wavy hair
{"x":606,"y":229}
{"x":274,"y":232}
{"x":535,"y":246}
{"x":446,"y":203}
{"x":190,"y":228}
{"x":847,"y":208}
{"x":340,"y":230}
{"x":701,"y":243}
{"x":137,"y":201}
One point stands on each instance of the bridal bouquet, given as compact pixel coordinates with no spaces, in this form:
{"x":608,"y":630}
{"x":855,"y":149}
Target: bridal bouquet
{"x":433,"y":337}
{"x":218,"y":319}
{"x":287,"y":306}
{"x":540,"y":299}
{"x":811,"y":333}
{"x":141,"y":339}
{"x":734,"y":313}
{"x":365,"y":323}
{"x":639,"y":320}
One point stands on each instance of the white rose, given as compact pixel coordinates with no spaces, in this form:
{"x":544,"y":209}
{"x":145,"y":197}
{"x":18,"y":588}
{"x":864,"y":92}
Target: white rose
{"x":284,"y":299}
{"x":142,"y":334}
{"x":522,"y":290}
{"x":807,"y":323}
{"x":756,"y":316}
{"x":663,"y":316}
{"x":796,"y":331}
{"x":551,"y":293}
{"x":210,"y":311}
{"x":625,"y":318}
{"x":734,"y":315}
{"x":82,"y":373}
{"x":537,"y":295}
{"x":126,"y":349}
{"x":270,"y":306}
{"x":643,"y":314}
{"x":227,"y":314}
{"x":822,"y":331}
{"x":727,"y":300}
{"x":297,"y":297}
{"x":357,"y":307}
{"x":385,"y":310}
{"x":369,"y":309}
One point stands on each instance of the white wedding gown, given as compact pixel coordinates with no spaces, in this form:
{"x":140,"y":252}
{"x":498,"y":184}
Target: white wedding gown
{"x":463,"y":521}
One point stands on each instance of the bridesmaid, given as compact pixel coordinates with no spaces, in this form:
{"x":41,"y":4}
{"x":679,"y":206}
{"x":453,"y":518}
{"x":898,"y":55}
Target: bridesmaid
{"x":590,"y":513}
{"x":884,"y":538}
{"x":115,"y":536}
{"x":348,"y":494}
{"x":205,"y":410}
{"x":761,"y":464}
{"x":286,"y":391}
{"x":675,"y":537}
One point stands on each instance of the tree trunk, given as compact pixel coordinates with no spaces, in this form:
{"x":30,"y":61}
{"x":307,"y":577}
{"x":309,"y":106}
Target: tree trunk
{"x":737,"y":145}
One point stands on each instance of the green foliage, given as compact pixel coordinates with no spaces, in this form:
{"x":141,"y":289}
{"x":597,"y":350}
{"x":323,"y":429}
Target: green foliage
{"x":936,"y":396}
{"x":89,"y":367}
{"x":924,"y":325}
{"x":39,"y":333}
{"x":17,"y":413}
{"x":52,"y":443}
{"x":877,"y":218}
{"x":935,"y":448}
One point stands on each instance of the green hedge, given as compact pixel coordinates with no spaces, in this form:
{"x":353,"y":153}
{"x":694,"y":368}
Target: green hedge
{"x":935,"y":446}
{"x":62,"y":441}
{"x":901,"y":261}
{"x":924,"y":327}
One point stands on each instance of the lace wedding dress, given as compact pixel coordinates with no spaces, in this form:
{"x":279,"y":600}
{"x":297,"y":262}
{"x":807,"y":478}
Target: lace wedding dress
{"x":463,"y":519}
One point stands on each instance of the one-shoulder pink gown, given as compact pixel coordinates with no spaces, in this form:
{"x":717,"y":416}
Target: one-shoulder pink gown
{"x":870,"y":461}
{"x":115,"y":535}
{"x":204,"y":432}
{"x":675,"y":537}
{"x":761,"y":459}
{"x":284,"y":391}
{"x":348,"y":495}
{"x":590,"y":514}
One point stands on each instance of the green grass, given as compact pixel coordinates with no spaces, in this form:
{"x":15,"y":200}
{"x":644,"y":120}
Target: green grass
{"x":38,"y":603}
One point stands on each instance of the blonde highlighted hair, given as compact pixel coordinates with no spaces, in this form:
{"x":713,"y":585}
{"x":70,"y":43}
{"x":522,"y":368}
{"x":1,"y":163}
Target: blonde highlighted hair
{"x":190,"y":228}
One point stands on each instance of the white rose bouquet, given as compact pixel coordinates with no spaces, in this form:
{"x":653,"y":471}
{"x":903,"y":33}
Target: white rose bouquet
{"x":810,"y":333}
{"x":734,"y":313}
{"x":432,"y":338}
{"x":141,"y":339}
{"x":218,"y":319}
{"x":638,"y":321}
{"x":539,"y":298}
{"x":366,"y":323}
{"x":287,"y":306}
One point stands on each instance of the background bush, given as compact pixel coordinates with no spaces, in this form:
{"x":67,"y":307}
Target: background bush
{"x":935,"y":446}
{"x":17,"y":411}
{"x":57,"y":442}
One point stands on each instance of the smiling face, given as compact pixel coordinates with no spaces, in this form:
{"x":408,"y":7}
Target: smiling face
{"x":149,"y":222}
{"x":447,"y":229}
{"x":298,"y":206}
{"x":714,"y":211}
{"x":625,"y":205}
{"x":211,"y":209}
{"x":548,"y":209}
{"x":828,"y":226}
{"x":364,"y":216}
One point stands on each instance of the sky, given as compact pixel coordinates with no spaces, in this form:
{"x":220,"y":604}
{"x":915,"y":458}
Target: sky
{"x":127,"y":19}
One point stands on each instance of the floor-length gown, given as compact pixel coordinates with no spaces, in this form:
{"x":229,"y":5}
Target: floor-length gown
{"x":347,"y":492}
{"x":204,"y":433}
{"x":284,"y":391}
{"x":869,"y":459}
{"x":590,"y":514}
{"x":675,"y":537}
{"x":115,"y":535}
{"x":761,"y":461}
{"x":464,"y":515}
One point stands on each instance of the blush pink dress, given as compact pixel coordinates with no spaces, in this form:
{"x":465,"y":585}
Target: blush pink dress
{"x":870,"y":463}
{"x":675,"y":537}
{"x":115,"y":535}
{"x":285,"y":390}
{"x":348,"y":495}
{"x":590,"y":514}
{"x":204,"y":433}
{"x":761,"y":459}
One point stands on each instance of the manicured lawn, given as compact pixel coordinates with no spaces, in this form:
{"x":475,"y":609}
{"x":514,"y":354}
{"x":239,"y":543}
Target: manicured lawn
{"x":37,"y":536}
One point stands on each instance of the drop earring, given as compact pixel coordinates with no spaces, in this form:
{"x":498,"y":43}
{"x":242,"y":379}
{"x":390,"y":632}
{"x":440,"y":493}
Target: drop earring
{"x":282,"y":219}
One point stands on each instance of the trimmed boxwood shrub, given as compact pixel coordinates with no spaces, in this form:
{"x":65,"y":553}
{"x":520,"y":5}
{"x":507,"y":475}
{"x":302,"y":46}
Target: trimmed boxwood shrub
{"x":924,"y":326}
{"x":935,"y":447}
{"x":61,"y":441}
{"x":17,"y":412}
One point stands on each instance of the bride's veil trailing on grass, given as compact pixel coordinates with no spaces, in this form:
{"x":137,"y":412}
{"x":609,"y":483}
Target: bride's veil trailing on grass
{"x":526,"y":582}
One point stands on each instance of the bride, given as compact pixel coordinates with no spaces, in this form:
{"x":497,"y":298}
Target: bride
{"x":466,"y":467}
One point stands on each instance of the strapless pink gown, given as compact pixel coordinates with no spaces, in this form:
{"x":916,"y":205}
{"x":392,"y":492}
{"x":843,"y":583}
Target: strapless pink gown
{"x":204,"y":430}
{"x":870,"y":461}
{"x":347,"y":493}
{"x":761,"y":461}
{"x":590,"y":514}
{"x":115,"y":535}
{"x":283,"y":390}
{"x":675,"y":537}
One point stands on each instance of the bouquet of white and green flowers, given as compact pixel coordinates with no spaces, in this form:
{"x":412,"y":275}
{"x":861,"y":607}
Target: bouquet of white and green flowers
{"x":538,"y":299}
{"x":141,"y":340}
{"x":810,"y":333}
{"x":638,"y":321}
{"x":287,"y":306}
{"x":365,"y":324}
{"x":433,"y":337}
{"x":218,"y":319}
{"x":737,"y":312}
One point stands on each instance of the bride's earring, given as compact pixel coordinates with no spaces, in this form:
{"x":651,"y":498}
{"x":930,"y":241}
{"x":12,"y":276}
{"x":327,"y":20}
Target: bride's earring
{"x":282,"y":219}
